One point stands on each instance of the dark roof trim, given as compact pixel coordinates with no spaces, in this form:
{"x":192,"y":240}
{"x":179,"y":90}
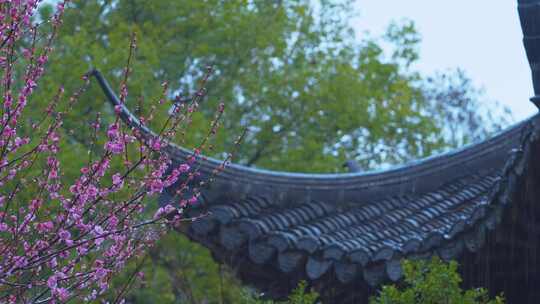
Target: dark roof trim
{"x":415,"y":177}
{"x":529,"y":11}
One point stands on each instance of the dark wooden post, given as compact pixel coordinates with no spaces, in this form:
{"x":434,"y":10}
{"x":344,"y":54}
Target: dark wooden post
{"x":529,"y":15}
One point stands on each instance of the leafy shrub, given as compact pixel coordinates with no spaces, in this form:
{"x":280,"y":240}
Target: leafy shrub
{"x":300,"y":295}
{"x":434,"y":281}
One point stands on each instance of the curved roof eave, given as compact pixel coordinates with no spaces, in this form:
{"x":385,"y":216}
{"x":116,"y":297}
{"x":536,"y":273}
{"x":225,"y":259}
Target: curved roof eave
{"x":417,"y":176}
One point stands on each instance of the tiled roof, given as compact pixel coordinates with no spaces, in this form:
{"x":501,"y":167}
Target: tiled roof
{"x":366,"y":238}
{"x":357,"y":226}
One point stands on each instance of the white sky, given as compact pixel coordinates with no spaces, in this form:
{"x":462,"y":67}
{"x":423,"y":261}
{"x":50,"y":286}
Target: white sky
{"x":481,"y":36}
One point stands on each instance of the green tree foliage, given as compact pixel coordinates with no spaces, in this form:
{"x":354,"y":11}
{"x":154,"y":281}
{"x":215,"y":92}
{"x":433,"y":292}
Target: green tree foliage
{"x":300,"y":295}
{"x":432,"y":282}
{"x":291,"y":71}
{"x":455,"y":101}
{"x":311,"y":96}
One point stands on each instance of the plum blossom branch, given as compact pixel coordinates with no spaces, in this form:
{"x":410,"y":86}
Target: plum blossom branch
{"x":63,"y":238}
